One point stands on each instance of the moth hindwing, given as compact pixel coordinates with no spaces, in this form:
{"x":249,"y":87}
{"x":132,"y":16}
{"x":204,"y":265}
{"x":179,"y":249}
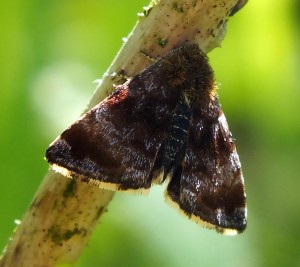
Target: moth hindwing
{"x":166,"y":122}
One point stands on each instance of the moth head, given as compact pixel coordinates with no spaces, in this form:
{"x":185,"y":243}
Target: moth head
{"x":188,"y":68}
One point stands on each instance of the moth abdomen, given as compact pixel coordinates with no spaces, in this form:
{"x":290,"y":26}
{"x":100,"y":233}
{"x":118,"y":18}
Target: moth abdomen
{"x":176,"y":140}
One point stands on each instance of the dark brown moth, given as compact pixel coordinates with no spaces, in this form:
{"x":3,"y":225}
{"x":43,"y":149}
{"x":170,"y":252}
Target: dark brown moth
{"x":164,"y":124}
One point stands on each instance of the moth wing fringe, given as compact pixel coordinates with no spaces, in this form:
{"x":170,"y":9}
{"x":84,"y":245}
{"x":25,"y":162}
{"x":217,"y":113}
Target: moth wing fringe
{"x":103,"y":185}
{"x":198,"y":220}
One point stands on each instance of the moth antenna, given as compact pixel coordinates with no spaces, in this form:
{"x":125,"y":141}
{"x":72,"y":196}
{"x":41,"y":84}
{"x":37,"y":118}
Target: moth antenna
{"x":151,"y":58}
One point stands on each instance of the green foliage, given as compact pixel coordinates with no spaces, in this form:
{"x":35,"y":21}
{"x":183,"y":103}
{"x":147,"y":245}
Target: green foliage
{"x":52,"y":51}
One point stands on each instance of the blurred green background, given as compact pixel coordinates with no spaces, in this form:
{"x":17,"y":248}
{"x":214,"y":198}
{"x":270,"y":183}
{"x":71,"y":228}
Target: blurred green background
{"x":51,"y":51}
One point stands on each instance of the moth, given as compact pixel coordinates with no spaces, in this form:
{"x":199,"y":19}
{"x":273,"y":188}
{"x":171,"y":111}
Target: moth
{"x":165,"y":123}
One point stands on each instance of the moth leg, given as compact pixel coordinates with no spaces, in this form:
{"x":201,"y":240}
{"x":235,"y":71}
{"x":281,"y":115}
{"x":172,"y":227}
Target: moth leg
{"x":120,"y":76}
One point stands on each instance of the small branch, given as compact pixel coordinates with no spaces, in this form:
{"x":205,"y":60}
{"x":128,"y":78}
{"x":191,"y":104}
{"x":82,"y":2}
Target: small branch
{"x":64,"y":212}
